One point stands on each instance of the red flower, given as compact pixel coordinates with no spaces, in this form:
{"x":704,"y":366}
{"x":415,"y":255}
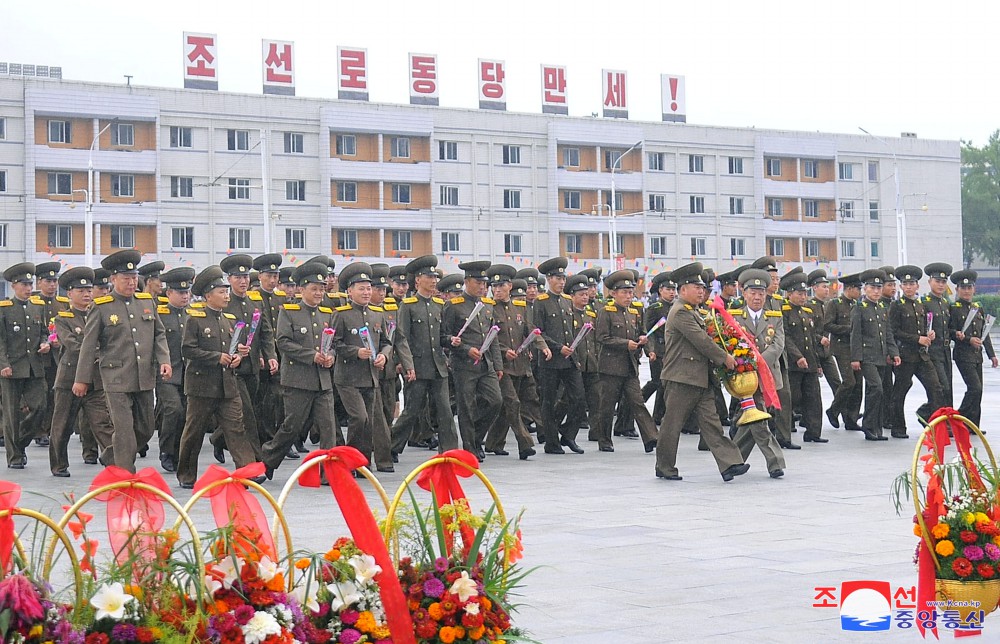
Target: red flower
{"x":97,"y":638}
{"x":985,"y":570}
{"x":426,"y":630}
{"x":968,"y":536}
{"x":962,"y":567}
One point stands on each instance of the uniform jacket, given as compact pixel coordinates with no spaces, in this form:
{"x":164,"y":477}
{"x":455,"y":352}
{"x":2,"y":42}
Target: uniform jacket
{"x":553,"y":316}
{"x":837,"y":322}
{"x":263,"y":339}
{"x":455,"y":314}
{"x":207,"y":336}
{"x":419,"y":322}
{"x":390,"y":312}
{"x":298,"y":337}
{"x":964,"y":351}
{"x":818,"y":307}
{"x":173,"y":320}
{"x":128,"y":336}
{"x":515,"y":325}
{"x":908,"y":320}
{"x":940,"y":349}
{"x":871,"y":334}
{"x":585,"y":354}
{"x":272,"y":302}
{"x":801,"y":339}
{"x":688,"y":353}
{"x":70,"y":327}
{"x":22,"y":330}
{"x":615,"y":326}
{"x":769,"y":334}
{"x":655,"y":311}
{"x":350,"y":370}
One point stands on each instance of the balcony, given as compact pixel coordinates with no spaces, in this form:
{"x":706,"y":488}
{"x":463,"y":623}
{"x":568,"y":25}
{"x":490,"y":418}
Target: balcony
{"x":625,"y":181}
{"x":415,"y":219}
{"x":141,"y":162}
{"x":396,"y":172}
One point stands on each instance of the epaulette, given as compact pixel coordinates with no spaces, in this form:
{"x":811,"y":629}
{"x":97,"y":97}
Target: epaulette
{"x":807,"y":309}
{"x":457,"y":300}
{"x":975,"y":305}
{"x":34,"y":299}
{"x":163,"y":310}
{"x":62,"y":298}
{"x":786,"y":307}
{"x":228,"y":316}
{"x":196,"y":313}
{"x":610,"y":308}
{"x":279,"y":293}
{"x":298,"y":296}
{"x":703,"y":310}
{"x":390,"y":306}
{"x":337,"y":294}
{"x":638,"y":304}
{"x":197,"y":305}
{"x":6,"y":303}
{"x":162,"y":300}
{"x":738,"y":312}
{"x":255,"y":296}
{"x":488,"y":300}
{"x":411,"y":300}
{"x":436,"y":300}
{"x":543,"y":296}
{"x":772,"y":314}
{"x":688,"y":306}
{"x":377,"y":309}
{"x":143,"y":296}
{"x":346,"y":307}
{"x":291,"y":307}
{"x":322,"y":309}
{"x":66,"y":314}
{"x":777,"y":297}
{"x":104,"y":299}
{"x":389,"y":300}
{"x":566,"y":296}
{"x":519,"y":303}
{"x":591,"y":314}
{"x":657,"y":304}
{"x":633,"y":311}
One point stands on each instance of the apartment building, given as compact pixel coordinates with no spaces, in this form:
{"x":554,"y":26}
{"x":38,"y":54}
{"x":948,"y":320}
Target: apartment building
{"x":188,"y":176}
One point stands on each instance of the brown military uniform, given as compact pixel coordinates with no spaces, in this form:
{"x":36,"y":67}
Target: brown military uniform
{"x":872,"y":344}
{"x":22,"y":331}
{"x":837,"y":322}
{"x":831,"y":372}
{"x":512,"y":318}
{"x":908,"y":320}
{"x":803,"y":382}
{"x":968,"y":358}
{"x":171,"y":403}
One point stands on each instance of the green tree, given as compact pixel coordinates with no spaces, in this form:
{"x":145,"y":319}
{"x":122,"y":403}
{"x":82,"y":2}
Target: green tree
{"x":981,"y":201}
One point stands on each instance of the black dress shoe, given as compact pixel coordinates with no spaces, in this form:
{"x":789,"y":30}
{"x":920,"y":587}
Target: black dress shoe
{"x":554,"y":450}
{"x":809,"y":439}
{"x":499,"y":452}
{"x":480,"y":455}
{"x":421,"y":444}
{"x":63,"y":474}
{"x":689,"y":430}
{"x":259,"y":480}
{"x":142,"y":452}
{"x":573,"y":447}
{"x":584,"y":425}
{"x":628,"y":433}
{"x":268,"y":472}
{"x":386,"y":468}
{"x":734,"y":470}
{"x":300,"y":448}
{"x":187,"y":486}
{"x":649,"y":446}
{"x":167,"y":463}
{"x":523,"y":455}
{"x":852,"y":427}
{"x":220,"y":454}
{"x":90,"y":460}
{"x":672,"y":477}
{"x":789,"y":445}
{"x":606,"y":448}
{"x":900,"y":435}
{"x":43,"y":441}
{"x":292,"y":454}
{"x":777,"y":474}
{"x":395,"y":457}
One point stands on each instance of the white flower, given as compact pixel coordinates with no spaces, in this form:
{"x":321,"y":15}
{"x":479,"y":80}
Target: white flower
{"x":229,"y":570}
{"x":260,"y":626}
{"x":111,"y":601}
{"x":344,"y":594}
{"x":212,"y":585}
{"x":472,"y":609}
{"x":282,"y":613}
{"x":365,"y":567}
{"x":464,"y":587}
{"x":267,"y":569}
{"x":306,"y":600}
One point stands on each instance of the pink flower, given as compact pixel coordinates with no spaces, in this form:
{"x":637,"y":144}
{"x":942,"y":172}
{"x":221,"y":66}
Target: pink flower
{"x":992,"y":551}
{"x":19,"y":595}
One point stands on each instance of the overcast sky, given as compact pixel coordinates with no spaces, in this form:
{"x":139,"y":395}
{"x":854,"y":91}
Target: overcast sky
{"x":886,"y":65}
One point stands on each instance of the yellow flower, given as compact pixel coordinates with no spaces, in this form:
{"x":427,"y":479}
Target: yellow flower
{"x":981,"y":517}
{"x":940,"y":531}
{"x":36,"y":631}
{"x":945,"y":548}
{"x":917,"y":531}
{"x":969,"y":518}
{"x":996,"y":540}
{"x":366,"y":622}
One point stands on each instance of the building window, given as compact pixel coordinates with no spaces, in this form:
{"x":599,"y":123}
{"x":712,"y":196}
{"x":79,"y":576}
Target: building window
{"x":399,"y":147}
{"x":295,"y":238}
{"x":847,"y":248}
{"x":571,"y":157}
{"x":447,"y":151}
{"x":511,"y":155}
{"x":574,"y":244}
{"x":295,"y":191}
{"x":812,"y":248}
{"x":238,"y":139}
{"x":3,"y":235}
{"x":775,"y":207}
{"x":123,"y":236}
{"x":3,"y":181}
{"x":511,"y":243}
{"x":181,"y":187}
{"x":60,"y":236}
{"x":402,"y":240}
{"x":619,"y":200}
{"x":3,"y":132}
{"x":511,"y":199}
{"x":873,"y":172}
{"x":735,"y":165}
{"x":123,"y":134}
{"x":776,"y":247}
{"x":874,"y":248}
{"x":347,"y":239}
{"x":347,"y":145}
{"x":811,"y":208}
{"x":656,"y":161}
{"x":612,"y":159}
{"x":449,"y":242}
{"x":180,"y":137}
{"x":239,"y":188}
{"x":347,"y":191}
{"x":696,"y":163}
{"x":571,"y":200}
{"x":697,"y":204}
{"x":873,"y":210}
{"x":657,"y":203}
{"x":294,"y":143}
{"x":449,"y":195}
{"x":736,"y":205}
{"x":810,"y":169}
{"x":60,"y":183}
{"x":401,"y":193}
{"x":846,"y":171}
{"x":123,"y":185}
{"x":59,"y":132}
{"x":658,"y":245}
{"x":239,"y":238}
{"x":182,"y":237}
{"x":619,"y":245}
{"x":699,"y":246}
{"x":737,"y":247}
{"x":847,"y":209}
{"x":773,"y":167}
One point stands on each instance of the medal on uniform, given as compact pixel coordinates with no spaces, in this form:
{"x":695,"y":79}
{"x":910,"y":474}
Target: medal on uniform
{"x":113,"y":319}
{"x":303,"y":330}
{"x":17,"y":327}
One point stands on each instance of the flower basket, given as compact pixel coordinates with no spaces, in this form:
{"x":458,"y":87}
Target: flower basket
{"x":968,"y":595}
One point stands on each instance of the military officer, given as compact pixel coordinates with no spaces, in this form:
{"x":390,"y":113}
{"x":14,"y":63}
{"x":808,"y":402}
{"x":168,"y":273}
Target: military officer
{"x":873,"y":349}
{"x":171,"y":403}
{"x":847,"y":401}
{"x":450,"y":286}
{"x":477,"y":374}
{"x":24,"y":349}
{"x":908,"y":320}
{"x":585,"y":355}
{"x":936,"y":303}
{"x":287,"y":284}
{"x":969,"y":343}
{"x":818,"y":281}
{"x":306,"y":380}
{"x":666,"y":291}
{"x":399,"y":282}
{"x":527,"y":388}
{"x":389,"y":376}
{"x":727,"y":286}
{"x":593,"y":275}
{"x":268,"y":400}
{"x":210,"y":381}
{"x":102,"y":282}
{"x":150,"y":274}
{"x":802,"y":349}
{"x":47,"y":282}
{"x":687,"y":359}
{"x":888,"y":297}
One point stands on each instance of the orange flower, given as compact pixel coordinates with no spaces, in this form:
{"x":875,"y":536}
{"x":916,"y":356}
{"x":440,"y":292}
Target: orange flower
{"x":485,"y":602}
{"x":477,"y":633}
{"x":434,"y":610}
{"x":302,"y":564}
{"x":276,"y":583}
{"x":447,"y":634}
{"x":332,"y":555}
{"x":366,"y":622}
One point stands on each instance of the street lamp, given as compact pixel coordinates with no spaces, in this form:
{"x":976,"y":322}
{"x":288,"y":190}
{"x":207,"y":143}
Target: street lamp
{"x":598,"y":209}
{"x":88,"y":217}
{"x":613,"y":239}
{"x":900,"y":212}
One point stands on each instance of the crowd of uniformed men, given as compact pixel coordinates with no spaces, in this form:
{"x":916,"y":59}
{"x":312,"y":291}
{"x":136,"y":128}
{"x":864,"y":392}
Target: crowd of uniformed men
{"x":269,"y":358}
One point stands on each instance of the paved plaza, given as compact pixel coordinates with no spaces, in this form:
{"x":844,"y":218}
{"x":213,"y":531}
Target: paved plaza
{"x":625,"y":557}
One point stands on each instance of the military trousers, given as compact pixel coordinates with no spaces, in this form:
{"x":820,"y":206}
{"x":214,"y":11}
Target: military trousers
{"x":226,"y":414}
{"x":477,"y":395}
{"x":51,"y":367}
{"x":268,"y":406}
{"x":927,"y":375}
{"x":132,"y":416}
{"x":171,"y":409}
{"x":941,"y":361}
{"x":24,"y":402}
{"x":592,"y":403}
{"x":887,"y":386}
{"x":624,"y":389}
{"x":655,"y":386}
{"x":758,"y":433}
{"x":389,"y":398}
{"x":509,"y":418}
{"x":65,"y":408}
{"x":418,"y":395}
{"x":531,"y":405}
{"x":683,"y":400}
{"x":872,"y":374}
{"x":806,"y":396}
{"x":972,"y":401}
{"x":248,"y":390}
{"x":847,"y":400}
{"x":573,"y":391}
{"x":302,"y":406}
{"x":831,"y":373}
{"x":366,"y":428}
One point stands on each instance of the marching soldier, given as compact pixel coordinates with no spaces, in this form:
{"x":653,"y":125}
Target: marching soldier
{"x":450,"y":286}
{"x":802,"y":349}
{"x":908,"y":320}
{"x":820,"y":285}
{"x":267,"y":404}
{"x":102,"y":282}
{"x":288,"y":286}
{"x":210,"y":381}
{"x":389,"y":376}
{"x":847,"y":401}
{"x":125,"y":337}
{"x":666,"y":291}
{"x":687,"y":359}
{"x":888,"y":297}
{"x":936,"y":303}
{"x":150,"y":276}
{"x":527,"y":389}
{"x":171,"y":403}
{"x":47,"y":281}
{"x":399,"y":282}
{"x":969,"y":343}
{"x":585,"y":355}
{"x":873,"y":349}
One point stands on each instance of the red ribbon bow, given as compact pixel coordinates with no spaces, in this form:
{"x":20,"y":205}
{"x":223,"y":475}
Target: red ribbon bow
{"x":135,"y":516}
{"x":442,"y":480}
{"x":233,"y":505}
{"x":767,"y":388}
{"x":338,"y":464}
{"x":10,"y":494}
